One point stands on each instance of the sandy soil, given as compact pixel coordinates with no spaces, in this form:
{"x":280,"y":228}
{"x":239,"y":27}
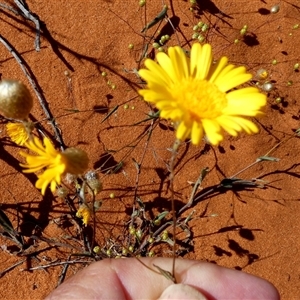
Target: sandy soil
{"x":253,"y":229}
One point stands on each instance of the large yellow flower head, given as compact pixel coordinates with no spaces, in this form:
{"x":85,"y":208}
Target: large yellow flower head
{"x":199,"y":95}
{"x":72,"y":160}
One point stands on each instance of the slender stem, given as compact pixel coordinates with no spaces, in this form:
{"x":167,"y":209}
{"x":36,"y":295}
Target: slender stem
{"x":28,"y":15}
{"x":172,"y":175}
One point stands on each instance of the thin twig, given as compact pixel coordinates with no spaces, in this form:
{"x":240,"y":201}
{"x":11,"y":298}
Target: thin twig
{"x":63,"y":274}
{"x":28,"y":15}
{"x":2,"y":273}
{"x":10,"y":9}
{"x":38,"y":92}
{"x":71,"y":262}
{"x":203,"y":173}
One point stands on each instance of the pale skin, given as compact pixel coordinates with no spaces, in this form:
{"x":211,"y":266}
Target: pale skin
{"x":129,"y":279}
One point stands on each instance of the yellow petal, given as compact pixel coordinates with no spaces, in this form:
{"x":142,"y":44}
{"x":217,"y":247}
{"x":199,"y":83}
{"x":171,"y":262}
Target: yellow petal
{"x":195,"y":54}
{"x":204,"y":62}
{"x":197,"y":133}
{"x":157,"y":71}
{"x":166,"y":63}
{"x":216,"y":69}
{"x":212,"y":131}
{"x":182,"y":131}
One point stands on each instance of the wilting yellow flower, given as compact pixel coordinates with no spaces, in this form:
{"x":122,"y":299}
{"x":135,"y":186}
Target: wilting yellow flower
{"x":199,"y":95}
{"x":72,"y":160}
{"x":84,"y":213}
{"x":19,"y":132}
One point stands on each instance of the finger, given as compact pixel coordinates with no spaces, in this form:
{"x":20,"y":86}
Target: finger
{"x":181,"y":291}
{"x":129,"y":279}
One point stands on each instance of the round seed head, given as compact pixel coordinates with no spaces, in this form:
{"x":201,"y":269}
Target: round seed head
{"x":165,"y":235}
{"x":151,"y":240}
{"x":96,"y":249}
{"x":76,"y":160}
{"x":275,"y":9}
{"x":95,"y":185}
{"x":15,"y":99}
{"x":156,"y":45}
{"x":200,"y":24}
{"x":195,"y":35}
{"x":151,"y":253}
{"x":132,"y":230}
{"x":162,"y":39}
{"x":268,"y":86}
{"x":201,"y":38}
{"x":157,"y":222}
{"x":139,"y":233}
{"x":130,"y":248}
{"x":142,"y":3}
{"x":243,"y":31}
{"x":196,"y":28}
{"x":205,"y":27}
{"x":274,"y":62}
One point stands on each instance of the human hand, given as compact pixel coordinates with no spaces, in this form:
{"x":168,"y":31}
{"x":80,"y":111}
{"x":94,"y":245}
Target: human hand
{"x":129,"y":279}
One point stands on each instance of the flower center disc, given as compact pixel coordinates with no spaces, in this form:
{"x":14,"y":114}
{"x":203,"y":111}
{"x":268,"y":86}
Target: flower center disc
{"x":200,"y":98}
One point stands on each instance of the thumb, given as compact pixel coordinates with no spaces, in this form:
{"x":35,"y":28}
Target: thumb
{"x":181,"y":291}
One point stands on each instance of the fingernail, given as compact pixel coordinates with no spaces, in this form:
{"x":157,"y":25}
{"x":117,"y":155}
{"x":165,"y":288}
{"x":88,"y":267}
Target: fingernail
{"x":181,"y":291}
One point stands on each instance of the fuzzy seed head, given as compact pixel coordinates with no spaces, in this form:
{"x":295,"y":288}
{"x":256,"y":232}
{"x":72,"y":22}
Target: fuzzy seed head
{"x":77,"y":160}
{"x":15,"y":99}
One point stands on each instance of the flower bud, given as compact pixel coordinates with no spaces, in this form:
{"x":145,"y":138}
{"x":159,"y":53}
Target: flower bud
{"x":76,"y":160}
{"x":15,"y":99}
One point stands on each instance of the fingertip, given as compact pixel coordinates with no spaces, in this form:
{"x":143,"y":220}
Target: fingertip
{"x":181,"y":291}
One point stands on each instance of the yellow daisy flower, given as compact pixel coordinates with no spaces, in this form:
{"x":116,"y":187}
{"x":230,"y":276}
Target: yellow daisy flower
{"x":19,"y":133}
{"x":199,"y":95}
{"x":72,"y":160}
